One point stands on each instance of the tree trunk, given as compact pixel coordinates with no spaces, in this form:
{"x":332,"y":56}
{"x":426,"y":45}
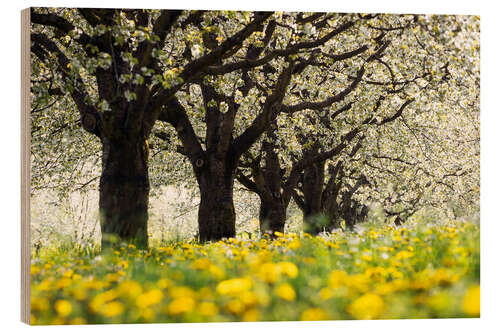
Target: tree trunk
{"x":314,"y":218}
{"x":216,"y":215}
{"x":272,"y":216}
{"x":124,"y":191}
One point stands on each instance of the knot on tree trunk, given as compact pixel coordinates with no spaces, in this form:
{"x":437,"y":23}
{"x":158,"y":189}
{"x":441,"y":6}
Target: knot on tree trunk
{"x":89,"y":122}
{"x":199,"y":162}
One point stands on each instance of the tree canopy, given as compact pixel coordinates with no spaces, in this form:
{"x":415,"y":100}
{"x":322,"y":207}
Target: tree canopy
{"x":382,"y":108}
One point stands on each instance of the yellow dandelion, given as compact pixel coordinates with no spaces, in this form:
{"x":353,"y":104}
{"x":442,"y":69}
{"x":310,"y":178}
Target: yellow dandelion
{"x":248,"y":298}
{"x":368,"y":306}
{"x":251,"y":315}
{"x":471,"y":304}
{"x":234,"y":286}
{"x":216,"y":272}
{"x":63,"y":283}
{"x":295,"y":244}
{"x":34,"y":270}
{"x":164,"y":283}
{"x":111,"y":309}
{"x":208,"y":309}
{"x":147,"y":314}
{"x":181,"y":305}
{"x":288,"y":268}
{"x":269,"y":272}
{"x":235,"y":306}
{"x":286,"y":292}
{"x":149,"y":298}
{"x":313,"y":314}
{"x":326,"y":293}
{"x":337,"y":278}
{"x":404,"y":255}
{"x":130,"y":288}
{"x":202,"y":263}
{"x":63,"y":307}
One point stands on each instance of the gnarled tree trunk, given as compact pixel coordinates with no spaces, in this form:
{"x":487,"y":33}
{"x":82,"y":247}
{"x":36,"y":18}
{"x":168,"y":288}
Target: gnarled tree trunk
{"x":272,"y":214}
{"x":216,"y":215}
{"x":124,"y":191}
{"x":312,"y":187}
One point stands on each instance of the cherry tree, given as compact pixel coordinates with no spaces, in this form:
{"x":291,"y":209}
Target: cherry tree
{"x":122,"y":68}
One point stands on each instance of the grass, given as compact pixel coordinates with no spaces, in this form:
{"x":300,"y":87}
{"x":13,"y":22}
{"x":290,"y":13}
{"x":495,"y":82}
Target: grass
{"x":419,"y":270}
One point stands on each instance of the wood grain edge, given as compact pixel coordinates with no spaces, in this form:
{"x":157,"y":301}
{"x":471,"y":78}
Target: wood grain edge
{"x":25,"y":166}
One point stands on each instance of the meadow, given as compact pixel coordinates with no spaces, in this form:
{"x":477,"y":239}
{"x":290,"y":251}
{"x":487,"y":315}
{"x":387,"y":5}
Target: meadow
{"x":423,"y":269}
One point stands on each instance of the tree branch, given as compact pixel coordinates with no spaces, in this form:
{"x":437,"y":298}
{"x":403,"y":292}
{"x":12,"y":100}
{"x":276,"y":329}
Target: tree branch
{"x":327,"y":102}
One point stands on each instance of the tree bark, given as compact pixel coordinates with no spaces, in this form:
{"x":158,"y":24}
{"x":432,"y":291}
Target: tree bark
{"x":272,"y":215}
{"x":216,"y":215}
{"x":124,"y":191}
{"x":312,"y":185}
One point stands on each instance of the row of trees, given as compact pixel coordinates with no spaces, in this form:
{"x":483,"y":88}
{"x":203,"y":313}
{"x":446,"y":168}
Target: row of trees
{"x":331,"y":110}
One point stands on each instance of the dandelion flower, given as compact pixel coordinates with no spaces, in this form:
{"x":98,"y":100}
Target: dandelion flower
{"x":286,"y":292}
{"x":313,"y":314}
{"x":472,"y":302}
{"x":368,"y":306}
{"x":63,"y":307}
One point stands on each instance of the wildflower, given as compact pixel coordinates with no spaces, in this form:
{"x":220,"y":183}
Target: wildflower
{"x":251,"y":315}
{"x":234,"y":286}
{"x":358,"y":283}
{"x":63,"y":283}
{"x":444,"y":277}
{"x":404,"y":255}
{"x":248,"y":298}
{"x":111,"y":309}
{"x":337,"y":278}
{"x":130,"y":289}
{"x":368,"y":306}
{"x":34,"y":270}
{"x":313,"y":314}
{"x":180,"y":291}
{"x":326,"y":293}
{"x":63,"y":307}
{"x":101,"y":299}
{"x":269,"y":272}
{"x":471,"y":304}
{"x":149,"y":298}
{"x":164,"y":283}
{"x":286,"y":292}
{"x":181,"y":305}
{"x":294,"y":244}
{"x":208,"y":309}
{"x":216,"y":272}
{"x":366,"y":256}
{"x":235,"y":306}
{"x":202,"y":263}
{"x":288,"y":268}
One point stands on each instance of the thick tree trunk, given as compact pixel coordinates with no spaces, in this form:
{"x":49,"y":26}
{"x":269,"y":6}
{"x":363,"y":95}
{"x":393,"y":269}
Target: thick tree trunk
{"x":272,"y":216}
{"x":216,"y":215}
{"x":314,"y":217}
{"x":124,"y":191}
{"x":331,"y":210}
